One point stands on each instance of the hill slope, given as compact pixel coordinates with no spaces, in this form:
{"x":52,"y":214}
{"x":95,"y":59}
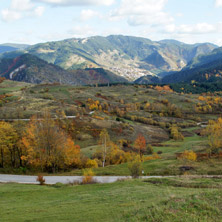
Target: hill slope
{"x":29,"y":68}
{"x":207,"y":68}
{"x":130,"y":57}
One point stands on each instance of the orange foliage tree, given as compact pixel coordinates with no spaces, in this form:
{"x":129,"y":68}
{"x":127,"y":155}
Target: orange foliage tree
{"x":49,"y":147}
{"x":140,"y":145}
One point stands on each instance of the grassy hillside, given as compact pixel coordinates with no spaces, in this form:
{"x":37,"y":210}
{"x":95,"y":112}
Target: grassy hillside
{"x":177,"y":199}
{"x":29,"y":68}
{"x":126,"y":112}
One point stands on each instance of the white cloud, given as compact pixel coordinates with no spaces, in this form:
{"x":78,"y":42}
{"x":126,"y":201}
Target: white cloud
{"x":218,"y":3}
{"x":10,"y":15}
{"x":82,"y":31}
{"x":170,"y":28}
{"x":39,"y":11}
{"x":19,"y":9}
{"x":88,"y":14}
{"x":21,"y":5}
{"x":142,"y":12}
{"x":199,"y":28}
{"x":77,"y":2}
{"x":218,"y":42}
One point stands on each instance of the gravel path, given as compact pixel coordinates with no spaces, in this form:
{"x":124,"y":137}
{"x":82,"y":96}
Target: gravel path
{"x":6,"y":178}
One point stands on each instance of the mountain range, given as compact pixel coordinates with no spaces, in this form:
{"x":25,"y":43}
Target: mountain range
{"x":111,"y":59}
{"x":127,"y":56}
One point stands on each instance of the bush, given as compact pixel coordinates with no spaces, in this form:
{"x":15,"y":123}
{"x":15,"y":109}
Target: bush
{"x":40,"y":179}
{"x":88,"y":176}
{"x":189,"y":155}
{"x":135,"y":168}
{"x":175,"y":134}
{"x":155,"y":156}
{"x":91,"y":163}
{"x":149,"y":149}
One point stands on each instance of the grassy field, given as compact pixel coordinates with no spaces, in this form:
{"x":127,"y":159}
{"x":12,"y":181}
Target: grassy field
{"x":169,"y":200}
{"x":167,"y":165}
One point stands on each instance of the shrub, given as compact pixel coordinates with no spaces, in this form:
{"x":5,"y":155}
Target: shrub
{"x":155,"y":156}
{"x":88,"y":176}
{"x":149,"y":149}
{"x":188,"y":155}
{"x":91,"y":163}
{"x":175,"y":134}
{"x":40,"y":179}
{"x":135,"y":168}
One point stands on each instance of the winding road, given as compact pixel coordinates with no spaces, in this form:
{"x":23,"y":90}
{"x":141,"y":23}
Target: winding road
{"x":7,"y":178}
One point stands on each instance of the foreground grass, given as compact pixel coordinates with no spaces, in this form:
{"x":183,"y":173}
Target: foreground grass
{"x":170,"y":200}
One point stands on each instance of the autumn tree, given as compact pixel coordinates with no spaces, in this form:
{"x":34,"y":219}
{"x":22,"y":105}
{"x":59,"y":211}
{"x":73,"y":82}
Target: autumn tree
{"x":140,"y":144}
{"x":214,"y":133}
{"x":105,"y":142}
{"x":8,"y":140}
{"x":175,"y":133}
{"x":48,"y":146}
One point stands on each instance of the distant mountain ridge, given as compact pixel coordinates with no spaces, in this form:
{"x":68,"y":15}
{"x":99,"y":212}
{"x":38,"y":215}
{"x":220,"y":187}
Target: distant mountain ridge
{"x":31,"y":69}
{"x":205,"y":68}
{"x":10,"y":47}
{"x":127,"y":56}
{"x":202,"y":69}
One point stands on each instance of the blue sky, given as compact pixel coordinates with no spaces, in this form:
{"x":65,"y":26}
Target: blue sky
{"x":34,"y":21}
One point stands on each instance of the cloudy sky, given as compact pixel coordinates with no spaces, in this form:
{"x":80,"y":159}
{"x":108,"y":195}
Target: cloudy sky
{"x":34,"y":21}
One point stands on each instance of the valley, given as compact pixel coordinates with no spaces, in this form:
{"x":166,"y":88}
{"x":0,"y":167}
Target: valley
{"x":142,"y":117}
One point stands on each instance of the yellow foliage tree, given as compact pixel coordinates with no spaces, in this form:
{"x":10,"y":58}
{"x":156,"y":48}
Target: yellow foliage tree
{"x":8,"y":140}
{"x":49,"y":147}
{"x":91,"y":164}
{"x":214,"y":133}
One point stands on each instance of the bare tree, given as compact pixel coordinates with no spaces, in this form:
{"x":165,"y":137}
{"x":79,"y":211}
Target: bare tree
{"x":105,"y":142}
